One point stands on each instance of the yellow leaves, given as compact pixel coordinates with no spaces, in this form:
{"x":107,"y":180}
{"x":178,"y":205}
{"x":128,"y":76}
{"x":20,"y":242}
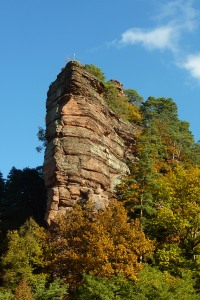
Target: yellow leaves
{"x":178,"y":217}
{"x":133,"y":113}
{"x":105,"y":244}
{"x":181,"y":185}
{"x":120,"y":105}
{"x":23,"y":291}
{"x":165,"y":216}
{"x":169,"y":254}
{"x":25,"y":253}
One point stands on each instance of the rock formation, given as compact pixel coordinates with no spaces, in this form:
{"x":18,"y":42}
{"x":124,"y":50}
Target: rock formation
{"x":88,"y":145}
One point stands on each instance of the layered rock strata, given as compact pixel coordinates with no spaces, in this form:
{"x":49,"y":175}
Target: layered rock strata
{"x":88,"y":146}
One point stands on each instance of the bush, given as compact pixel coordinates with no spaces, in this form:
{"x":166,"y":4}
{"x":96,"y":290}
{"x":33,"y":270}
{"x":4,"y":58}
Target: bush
{"x":96,"y":72}
{"x":120,"y":104}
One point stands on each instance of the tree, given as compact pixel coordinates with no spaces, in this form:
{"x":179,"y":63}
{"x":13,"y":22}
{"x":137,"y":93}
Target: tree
{"x":43,"y":290}
{"x":102,"y":288}
{"x":2,"y":187}
{"x":133,"y":97}
{"x":2,"y":191}
{"x":125,"y":107}
{"x":24,"y":257}
{"x":136,"y":191}
{"x":174,"y":142}
{"x":103,"y":244}
{"x":24,"y":197}
{"x":42,"y":138}
{"x":154,"y":284}
{"x":96,"y":71}
{"x":150,"y":284}
{"x":120,"y":104}
{"x":5,"y":294}
{"x":178,"y":219}
{"x":23,"y":291}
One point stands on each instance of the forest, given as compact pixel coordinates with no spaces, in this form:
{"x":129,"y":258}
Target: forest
{"x":144,"y":245}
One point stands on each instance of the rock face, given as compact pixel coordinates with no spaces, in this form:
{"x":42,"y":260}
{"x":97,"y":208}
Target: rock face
{"x":88,"y":146}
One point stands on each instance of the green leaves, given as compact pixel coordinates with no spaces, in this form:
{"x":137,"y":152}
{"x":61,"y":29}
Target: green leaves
{"x":95,"y":71}
{"x":25,"y":254}
{"x":150,"y":284}
{"x":101,"y":288}
{"x":172,"y":137}
{"x":44,"y":291}
{"x":154,"y":284}
{"x":178,"y":219}
{"x":120,"y":104}
{"x":133,"y":97}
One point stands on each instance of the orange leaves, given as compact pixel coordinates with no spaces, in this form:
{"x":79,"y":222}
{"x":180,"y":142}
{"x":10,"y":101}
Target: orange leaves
{"x":103,"y":244}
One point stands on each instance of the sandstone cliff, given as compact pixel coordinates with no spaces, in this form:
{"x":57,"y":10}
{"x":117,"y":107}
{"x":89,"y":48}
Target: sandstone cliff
{"x":88,"y":146}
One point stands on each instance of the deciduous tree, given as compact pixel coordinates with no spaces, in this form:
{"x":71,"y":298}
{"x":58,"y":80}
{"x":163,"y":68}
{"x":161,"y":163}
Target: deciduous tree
{"x":103,"y":244}
{"x":178,"y":218}
{"x":24,"y":257}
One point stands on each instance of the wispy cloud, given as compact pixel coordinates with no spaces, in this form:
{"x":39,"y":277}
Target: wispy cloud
{"x":175,"y":20}
{"x":179,"y":12}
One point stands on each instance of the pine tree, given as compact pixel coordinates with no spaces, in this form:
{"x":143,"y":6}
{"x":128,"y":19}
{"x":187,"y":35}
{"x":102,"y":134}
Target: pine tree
{"x":24,"y":197}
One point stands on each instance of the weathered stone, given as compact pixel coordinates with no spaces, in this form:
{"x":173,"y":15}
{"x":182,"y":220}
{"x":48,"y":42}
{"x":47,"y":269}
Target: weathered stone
{"x":88,"y":146}
{"x":119,"y":87}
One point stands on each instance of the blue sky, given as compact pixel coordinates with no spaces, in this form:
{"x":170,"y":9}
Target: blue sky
{"x":152,"y":46}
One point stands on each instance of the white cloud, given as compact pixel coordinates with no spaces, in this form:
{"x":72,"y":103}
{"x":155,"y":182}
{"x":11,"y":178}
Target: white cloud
{"x":175,"y":21}
{"x":179,"y":12}
{"x":192,"y":64}
{"x":159,"y":38}
{"x":176,"y":17}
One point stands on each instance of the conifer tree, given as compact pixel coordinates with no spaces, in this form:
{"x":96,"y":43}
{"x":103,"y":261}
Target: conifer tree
{"x":176,"y":142}
{"x":24,"y":197}
{"x":2,"y":187}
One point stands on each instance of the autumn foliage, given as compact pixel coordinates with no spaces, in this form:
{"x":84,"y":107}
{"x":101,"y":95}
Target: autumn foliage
{"x":103,"y":244}
{"x":144,"y":245}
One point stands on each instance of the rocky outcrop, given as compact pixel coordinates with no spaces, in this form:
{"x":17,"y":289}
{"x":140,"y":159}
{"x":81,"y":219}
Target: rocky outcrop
{"x":88,"y":146}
